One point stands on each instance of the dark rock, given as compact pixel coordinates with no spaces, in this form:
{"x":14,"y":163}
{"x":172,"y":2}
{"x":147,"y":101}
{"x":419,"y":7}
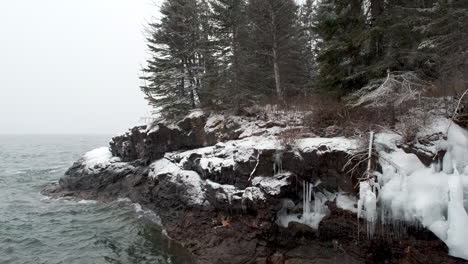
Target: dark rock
{"x":189,"y":133}
{"x":236,"y":223}
{"x":271,"y":124}
{"x":422,"y":151}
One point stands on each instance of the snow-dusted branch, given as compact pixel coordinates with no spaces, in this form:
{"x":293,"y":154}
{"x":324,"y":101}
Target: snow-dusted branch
{"x":395,"y":90}
{"x":256,"y":165}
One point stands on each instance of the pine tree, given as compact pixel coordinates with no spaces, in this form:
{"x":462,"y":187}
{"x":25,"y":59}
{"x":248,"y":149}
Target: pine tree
{"x":230,"y":42}
{"x":277,"y":46}
{"x":308,"y":38}
{"x":173,"y":77}
{"x":341,"y":29}
{"x":445,"y":39}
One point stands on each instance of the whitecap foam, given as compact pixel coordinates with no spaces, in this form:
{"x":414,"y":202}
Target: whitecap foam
{"x":87,"y":202}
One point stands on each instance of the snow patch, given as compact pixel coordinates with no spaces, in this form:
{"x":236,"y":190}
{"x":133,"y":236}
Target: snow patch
{"x":272,"y":185}
{"x":213,"y":122}
{"x":190,"y":181}
{"x":193,"y":186}
{"x":196,"y":113}
{"x":227,"y":192}
{"x":338,"y":143}
{"x":98,"y":158}
{"x":163,"y":166}
{"x":253,"y":194}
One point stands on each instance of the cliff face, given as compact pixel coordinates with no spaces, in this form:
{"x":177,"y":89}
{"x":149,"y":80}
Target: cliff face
{"x":231,"y":191}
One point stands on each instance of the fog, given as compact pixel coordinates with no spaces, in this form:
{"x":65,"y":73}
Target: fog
{"x":72,"y":66}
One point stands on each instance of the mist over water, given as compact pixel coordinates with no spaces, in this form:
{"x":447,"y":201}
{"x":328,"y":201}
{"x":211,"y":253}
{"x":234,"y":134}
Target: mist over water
{"x":35,"y":229}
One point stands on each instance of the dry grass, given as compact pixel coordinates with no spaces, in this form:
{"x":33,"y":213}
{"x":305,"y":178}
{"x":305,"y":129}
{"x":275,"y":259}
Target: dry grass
{"x":327,"y":115}
{"x":289,"y":137}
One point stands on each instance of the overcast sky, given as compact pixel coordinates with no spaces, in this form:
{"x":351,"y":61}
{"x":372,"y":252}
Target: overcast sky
{"x":72,"y":66}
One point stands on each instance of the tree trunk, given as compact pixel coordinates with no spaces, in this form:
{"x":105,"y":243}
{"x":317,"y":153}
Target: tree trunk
{"x":376,"y":40}
{"x":276,"y":68}
{"x":192,"y":81}
{"x":235,"y":54}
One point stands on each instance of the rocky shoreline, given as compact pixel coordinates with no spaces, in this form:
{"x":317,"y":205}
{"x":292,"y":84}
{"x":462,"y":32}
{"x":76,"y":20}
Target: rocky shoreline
{"x":221,"y":185}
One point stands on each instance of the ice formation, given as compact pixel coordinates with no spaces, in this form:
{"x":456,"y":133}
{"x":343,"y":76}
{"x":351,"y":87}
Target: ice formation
{"x":367,"y":205}
{"x":278,"y":163}
{"x":346,"y":202}
{"x":313,"y":210}
{"x":434,"y":197}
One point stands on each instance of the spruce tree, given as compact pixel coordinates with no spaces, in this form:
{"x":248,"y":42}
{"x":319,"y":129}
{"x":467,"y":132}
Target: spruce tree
{"x":341,"y":29}
{"x":445,"y":39}
{"x":230,"y":35}
{"x":276,"y":47}
{"x":308,"y":38}
{"x":173,"y":76}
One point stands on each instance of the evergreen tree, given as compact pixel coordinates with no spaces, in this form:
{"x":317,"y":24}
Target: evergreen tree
{"x":445,"y":39}
{"x":226,"y":52}
{"x":276,"y":46}
{"x":230,"y":37}
{"x":309,"y":41}
{"x":173,"y":77}
{"x":341,"y":29}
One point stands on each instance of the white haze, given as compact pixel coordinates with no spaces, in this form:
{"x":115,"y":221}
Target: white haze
{"x":72,"y":66}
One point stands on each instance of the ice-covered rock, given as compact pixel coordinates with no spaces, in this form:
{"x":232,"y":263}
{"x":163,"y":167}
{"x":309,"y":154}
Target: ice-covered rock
{"x":433,"y":196}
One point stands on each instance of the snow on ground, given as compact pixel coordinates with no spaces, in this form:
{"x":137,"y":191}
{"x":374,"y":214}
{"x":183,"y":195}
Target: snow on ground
{"x":193,"y":185}
{"x":253,"y":194}
{"x":433,"y":197}
{"x":195,"y":113}
{"x":227,"y":154}
{"x":226,"y":192}
{"x":163,"y":166}
{"x":338,"y":143}
{"x":272,"y":185}
{"x":98,"y":158}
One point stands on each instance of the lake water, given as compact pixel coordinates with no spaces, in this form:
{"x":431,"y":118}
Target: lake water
{"x":35,"y":229}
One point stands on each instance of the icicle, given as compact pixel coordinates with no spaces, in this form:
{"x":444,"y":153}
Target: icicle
{"x":278,"y":163}
{"x":311,"y":214}
{"x":369,"y":161}
{"x":367,"y":206}
{"x":457,"y":217}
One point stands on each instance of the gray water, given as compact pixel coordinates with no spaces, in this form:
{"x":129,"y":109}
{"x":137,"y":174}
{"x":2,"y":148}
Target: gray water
{"x":35,"y":229}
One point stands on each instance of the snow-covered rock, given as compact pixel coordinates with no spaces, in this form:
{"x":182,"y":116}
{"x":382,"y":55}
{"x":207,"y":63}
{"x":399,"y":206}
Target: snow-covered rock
{"x":217,"y":182}
{"x":272,"y":185}
{"x":98,"y":158}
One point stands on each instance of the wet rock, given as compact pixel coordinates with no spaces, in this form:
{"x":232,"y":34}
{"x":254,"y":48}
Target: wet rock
{"x":219,"y":198}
